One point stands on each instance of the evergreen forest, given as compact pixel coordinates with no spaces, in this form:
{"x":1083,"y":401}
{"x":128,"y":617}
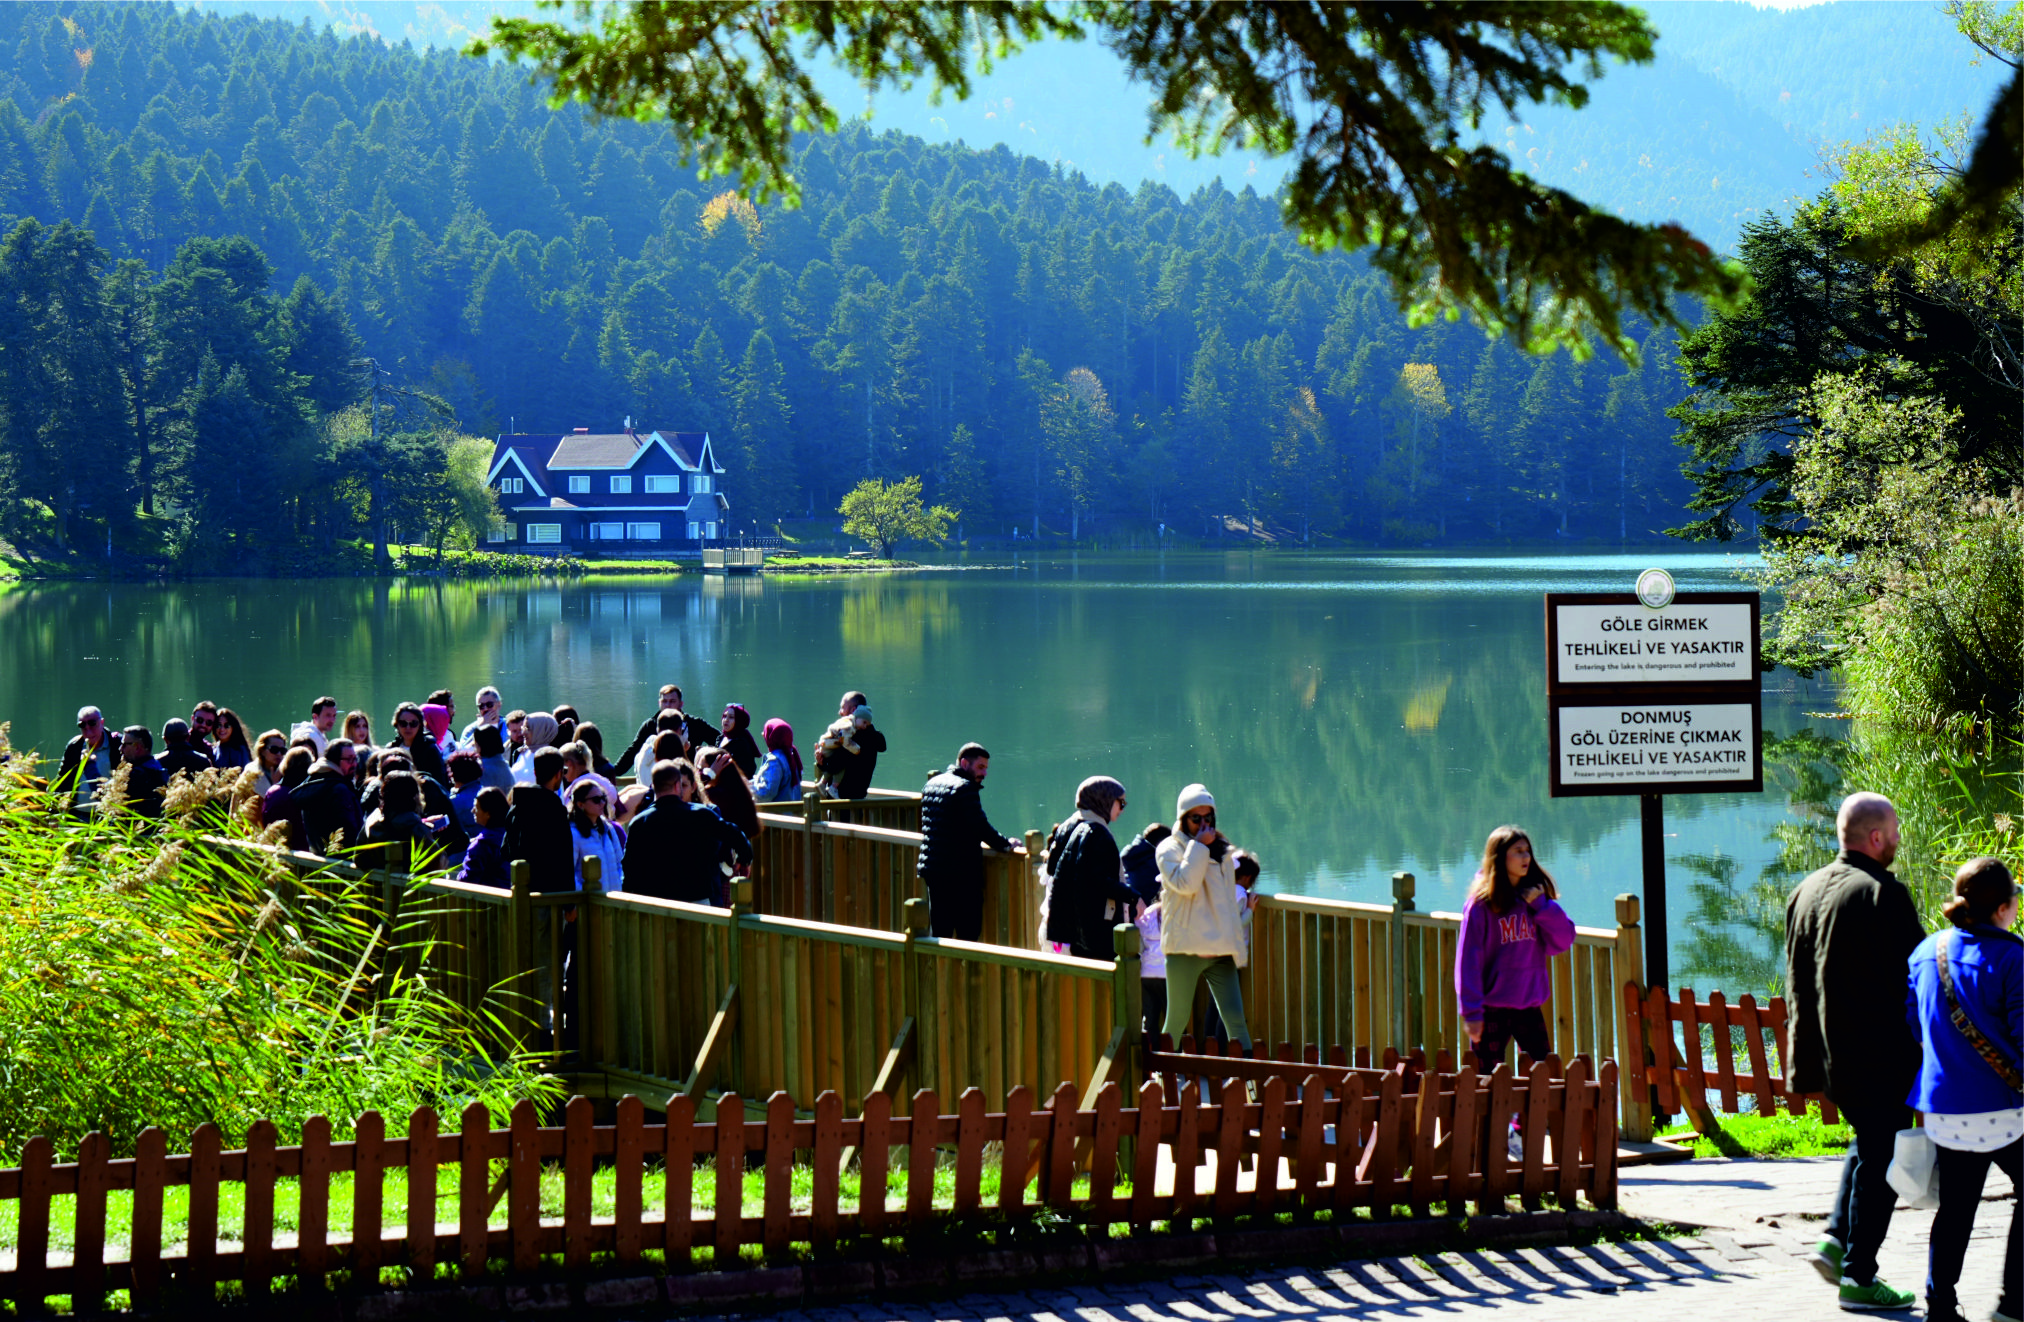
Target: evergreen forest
{"x":226,"y":234}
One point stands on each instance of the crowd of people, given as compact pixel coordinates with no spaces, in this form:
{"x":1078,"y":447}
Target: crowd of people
{"x":508,"y":786}
{"x":1886,"y":1019}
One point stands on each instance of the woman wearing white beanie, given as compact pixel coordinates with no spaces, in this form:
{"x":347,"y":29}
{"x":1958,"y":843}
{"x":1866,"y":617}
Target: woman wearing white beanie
{"x":1201,"y":927}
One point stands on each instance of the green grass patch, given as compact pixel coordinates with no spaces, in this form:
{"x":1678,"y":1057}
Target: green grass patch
{"x":636,"y":567}
{"x":1765,"y":1136}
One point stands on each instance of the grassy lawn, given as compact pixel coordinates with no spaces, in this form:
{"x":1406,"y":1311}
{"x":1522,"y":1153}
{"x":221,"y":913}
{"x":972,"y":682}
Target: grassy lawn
{"x":636,"y":567}
{"x":1765,"y":1136}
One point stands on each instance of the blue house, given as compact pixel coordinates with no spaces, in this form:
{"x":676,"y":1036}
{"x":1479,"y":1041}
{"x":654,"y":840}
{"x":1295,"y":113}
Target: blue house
{"x":609,"y":492}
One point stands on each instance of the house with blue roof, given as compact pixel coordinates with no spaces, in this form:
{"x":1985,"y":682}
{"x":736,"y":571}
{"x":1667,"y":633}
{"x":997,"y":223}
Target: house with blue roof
{"x":607,"y":492}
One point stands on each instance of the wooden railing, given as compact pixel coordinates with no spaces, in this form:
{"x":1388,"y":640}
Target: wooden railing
{"x":1343,"y":1145}
{"x":1683,"y":1070}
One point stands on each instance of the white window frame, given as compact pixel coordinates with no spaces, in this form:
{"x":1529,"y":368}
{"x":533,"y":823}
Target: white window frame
{"x":658,"y":484}
{"x":695,"y":531}
{"x":710,"y":532}
{"x":622,"y":486}
{"x":544,"y":534}
{"x":607,"y":532}
{"x":579,"y":485}
{"x":643,"y":532}
{"x":503,"y":532}
{"x":512,"y":486}
{"x":703,"y":484}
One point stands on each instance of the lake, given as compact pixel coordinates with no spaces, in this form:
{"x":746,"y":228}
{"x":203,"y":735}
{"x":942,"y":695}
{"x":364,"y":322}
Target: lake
{"x":1355,"y":715}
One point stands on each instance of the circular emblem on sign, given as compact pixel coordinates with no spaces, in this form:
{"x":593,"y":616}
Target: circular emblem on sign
{"x":1655,"y":589}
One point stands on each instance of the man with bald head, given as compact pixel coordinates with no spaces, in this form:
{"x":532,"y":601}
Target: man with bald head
{"x":1850,"y":930}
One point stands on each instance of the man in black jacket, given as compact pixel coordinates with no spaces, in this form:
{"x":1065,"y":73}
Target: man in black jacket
{"x":953,"y":829}
{"x":145,"y":778}
{"x":854,"y":781}
{"x":89,"y":759}
{"x":327,"y":802}
{"x":676,"y":849}
{"x":180,"y":758}
{"x":700,"y":731}
{"x":1850,"y":929}
{"x":537,"y":828}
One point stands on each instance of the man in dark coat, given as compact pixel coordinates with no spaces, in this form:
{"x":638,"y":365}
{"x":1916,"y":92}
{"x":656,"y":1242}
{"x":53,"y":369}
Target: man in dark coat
{"x":145,"y":778}
{"x":89,"y":759}
{"x":854,"y":781}
{"x":179,"y":757}
{"x":1850,"y":930}
{"x":326,"y":802}
{"x":953,"y":828}
{"x":676,"y":848}
{"x":537,"y":828}
{"x":699,"y":731}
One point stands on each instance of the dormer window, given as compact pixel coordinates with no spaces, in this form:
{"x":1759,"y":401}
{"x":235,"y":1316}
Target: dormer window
{"x":703,"y":483}
{"x":512,"y":486}
{"x":579,"y":486}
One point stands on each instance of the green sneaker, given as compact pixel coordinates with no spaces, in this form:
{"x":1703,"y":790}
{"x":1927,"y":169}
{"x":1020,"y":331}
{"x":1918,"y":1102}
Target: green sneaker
{"x":1876,"y":1297}
{"x":1826,"y":1259}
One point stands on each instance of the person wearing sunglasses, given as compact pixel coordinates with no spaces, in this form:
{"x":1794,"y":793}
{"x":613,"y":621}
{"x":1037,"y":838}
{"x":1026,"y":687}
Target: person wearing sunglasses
{"x":412,"y":737}
{"x":491,"y":711}
{"x":88,"y":759}
{"x":1201,"y":917}
{"x":268,"y":750}
{"x":229,"y":749}
{"x":593,"y":834}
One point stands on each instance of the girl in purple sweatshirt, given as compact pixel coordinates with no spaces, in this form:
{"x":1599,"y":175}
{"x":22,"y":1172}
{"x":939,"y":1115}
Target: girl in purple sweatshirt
{"x":1511,"y":928}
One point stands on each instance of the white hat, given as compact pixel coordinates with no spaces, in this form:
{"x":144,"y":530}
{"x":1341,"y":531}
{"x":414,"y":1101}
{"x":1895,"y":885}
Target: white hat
{"x":1194,"y":796}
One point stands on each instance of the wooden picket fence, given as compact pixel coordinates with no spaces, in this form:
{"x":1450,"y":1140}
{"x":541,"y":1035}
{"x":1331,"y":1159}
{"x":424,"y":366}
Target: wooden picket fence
{"x":1682,"y":1070}
{"x":1335,"y":1143}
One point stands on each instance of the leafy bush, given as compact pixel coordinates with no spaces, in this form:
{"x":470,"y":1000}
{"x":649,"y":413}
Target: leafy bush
{"x":156,"y":980}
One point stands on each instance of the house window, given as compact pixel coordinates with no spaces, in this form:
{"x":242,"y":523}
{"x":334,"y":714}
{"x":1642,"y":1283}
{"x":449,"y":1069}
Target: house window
{"x":544,"y":534}
{"x":643,"y":532}
{"x":621,"y":486}
{"x":664,"y":486}
{"x":512,"y":486}
{"x":607,"y":532}
{"x":502,"y":532}
{"x":579,"y":486}
{"x":710,"y":531}
{"x":704,"y":484}
{"x":695,"y":532}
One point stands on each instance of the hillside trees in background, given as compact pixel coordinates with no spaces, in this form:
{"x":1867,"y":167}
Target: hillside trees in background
{"x":543,"y":269}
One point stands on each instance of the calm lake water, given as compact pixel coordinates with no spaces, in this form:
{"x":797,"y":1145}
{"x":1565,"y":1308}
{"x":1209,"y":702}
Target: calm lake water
{"x":1355,"y":715}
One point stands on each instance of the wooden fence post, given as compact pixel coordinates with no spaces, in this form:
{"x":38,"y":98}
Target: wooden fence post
{"x":1403,"y":887}
{"x":814,"y":888}
{"x":585,"y":963}
{"x":520,"y":941}
{"x":1635,"y":1091}
{"x":1127,"y":1013}
{"x":913,"y":991}
{"x":741,"y":909}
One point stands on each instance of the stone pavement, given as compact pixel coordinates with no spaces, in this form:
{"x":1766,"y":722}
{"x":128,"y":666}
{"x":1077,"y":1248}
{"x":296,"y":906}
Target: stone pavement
{"x":1758,"y":1217}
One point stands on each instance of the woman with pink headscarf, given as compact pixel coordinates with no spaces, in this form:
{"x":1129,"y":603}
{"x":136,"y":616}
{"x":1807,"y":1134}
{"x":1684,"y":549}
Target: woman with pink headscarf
{"x":779,"y":778}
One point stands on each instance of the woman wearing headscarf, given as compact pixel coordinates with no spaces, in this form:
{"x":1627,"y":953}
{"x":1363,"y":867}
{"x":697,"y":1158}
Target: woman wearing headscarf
{"x":736,"y":726}
{"x":1088,"y":895}
{"x":779,"y":778}
{"x":437,"y":717}
{"x":539,"y":733}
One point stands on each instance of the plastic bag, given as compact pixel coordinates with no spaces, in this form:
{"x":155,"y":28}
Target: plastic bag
{"x":1913,"y":1171}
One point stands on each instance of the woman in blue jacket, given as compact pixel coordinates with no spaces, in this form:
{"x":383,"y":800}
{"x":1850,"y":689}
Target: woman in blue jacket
{"x":1968,"y":1088}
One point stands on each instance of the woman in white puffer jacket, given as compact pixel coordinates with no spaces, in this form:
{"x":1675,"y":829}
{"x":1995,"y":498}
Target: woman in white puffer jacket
{"x":1201,"y":924}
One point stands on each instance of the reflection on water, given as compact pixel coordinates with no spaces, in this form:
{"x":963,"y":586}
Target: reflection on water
{"x":1353,"y":715}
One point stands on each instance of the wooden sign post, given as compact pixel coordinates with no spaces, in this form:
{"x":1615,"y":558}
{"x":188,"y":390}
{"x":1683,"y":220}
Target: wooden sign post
{"x":1653,"y":693}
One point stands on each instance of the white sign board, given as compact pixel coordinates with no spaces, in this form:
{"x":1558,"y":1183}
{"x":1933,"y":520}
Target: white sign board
{"x":1710,"y":643}
{"x":1612,"y":746}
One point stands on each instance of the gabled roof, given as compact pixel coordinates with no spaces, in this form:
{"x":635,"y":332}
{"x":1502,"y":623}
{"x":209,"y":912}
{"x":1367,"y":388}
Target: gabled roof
{"x":536,"y":455}
{"x":599,"y":450}
{"x":527,"y":454}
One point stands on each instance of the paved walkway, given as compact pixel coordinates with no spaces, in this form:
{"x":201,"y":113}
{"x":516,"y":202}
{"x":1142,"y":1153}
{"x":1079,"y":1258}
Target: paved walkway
{"x":1759,"y":1217}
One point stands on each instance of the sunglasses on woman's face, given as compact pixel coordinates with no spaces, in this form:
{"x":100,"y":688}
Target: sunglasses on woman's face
{"x":276,"y":749}
{"x":487,"y":705}
{"x":407,"y":725}
{"x":1199,"y":817}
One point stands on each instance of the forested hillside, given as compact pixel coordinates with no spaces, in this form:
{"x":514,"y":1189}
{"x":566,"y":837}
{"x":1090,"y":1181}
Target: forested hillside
{"x":1045,"y":352}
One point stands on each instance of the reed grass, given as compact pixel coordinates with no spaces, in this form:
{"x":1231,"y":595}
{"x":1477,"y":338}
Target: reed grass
{"x":146,"y":979}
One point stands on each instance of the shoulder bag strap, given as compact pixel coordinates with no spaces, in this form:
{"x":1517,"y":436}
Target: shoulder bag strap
{"x":2005,"y":1071}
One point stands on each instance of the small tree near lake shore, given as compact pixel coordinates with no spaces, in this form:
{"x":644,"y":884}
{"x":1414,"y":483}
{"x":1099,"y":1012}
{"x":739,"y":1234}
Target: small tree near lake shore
{"x":883,"y":513}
